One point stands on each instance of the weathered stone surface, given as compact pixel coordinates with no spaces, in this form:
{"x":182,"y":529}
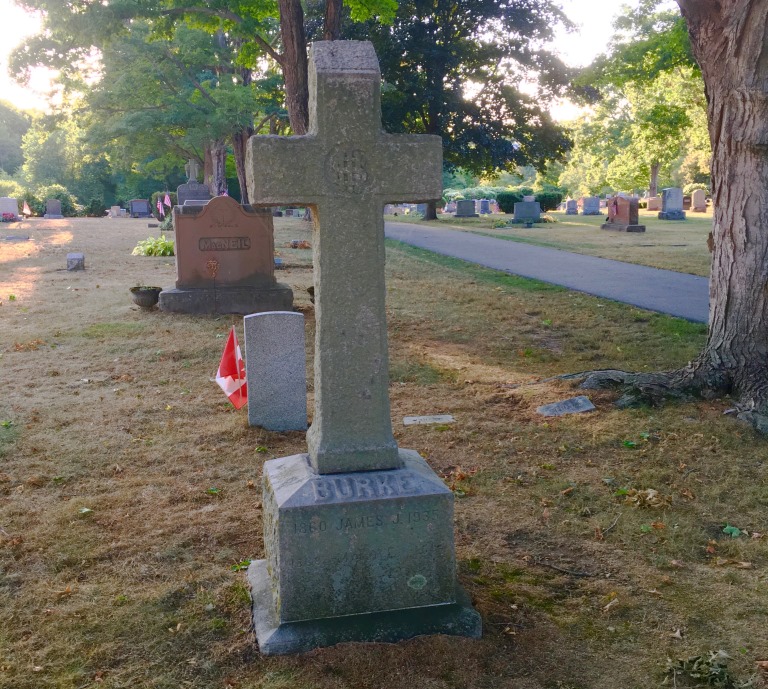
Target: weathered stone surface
{"x":654,"y":203}
{"x":224,"y":261}
{"x":623,"y":215}
{"x":485,"y":206}
{"x":76,"y":261}
{"x":275,"y":365}
{"x":422,"y":420}
{"x":349,"y":170}
{"x":53,"y":209}
{"x":571,"y":207}
{"x":114,"y":211}
{"x":698,"y":201}
{"x":527,"y":211}
{"x":465,"y":209}
{"x":9,"y":205}
{"x":192,"y":191}
{"x":591,"y":205}
{"x":672,"y":204}
{"x":574,"y":405}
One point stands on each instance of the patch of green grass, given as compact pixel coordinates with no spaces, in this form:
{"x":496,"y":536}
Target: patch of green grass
{"x":112,"y":330}
{"x":485,"y":275}
{"x":669,"y":326}
{"x":8,"y":435}
{"x":416,"y":372}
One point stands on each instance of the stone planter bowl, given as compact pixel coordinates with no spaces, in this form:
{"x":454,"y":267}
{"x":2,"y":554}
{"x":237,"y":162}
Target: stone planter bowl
{"x":145,"y":297}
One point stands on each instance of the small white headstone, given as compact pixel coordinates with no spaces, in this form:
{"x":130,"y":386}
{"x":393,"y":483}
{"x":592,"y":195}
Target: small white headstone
{"x":275,"y":370}
{"x":421,"y":420}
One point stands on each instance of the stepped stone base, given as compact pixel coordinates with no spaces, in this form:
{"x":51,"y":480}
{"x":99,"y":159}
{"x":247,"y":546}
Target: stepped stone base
{"x":619,"y":227}
{"x":243,"y":300}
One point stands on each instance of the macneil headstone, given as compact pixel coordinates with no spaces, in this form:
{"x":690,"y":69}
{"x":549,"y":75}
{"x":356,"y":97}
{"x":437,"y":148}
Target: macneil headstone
{"x":465,"y":208}
{"x":358,"y":533}
{"x":590,"y":205}
{"x":224,"y":261}
{"x":672,"y":204}
{"x":53,"y":209}
{"x":9,"y":206}
{"x":699,"y":201}
{"x":623,"y":215}
{"x":571,"y":207}
{"x":276,"y":370}
{"x":139,"y":208}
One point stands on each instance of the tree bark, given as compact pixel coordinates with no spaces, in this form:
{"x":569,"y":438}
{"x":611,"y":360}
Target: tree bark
{"x":431,"y":213}
{"x":215,"y":174}
{"x":239,"y":141}
{"x":332,"y":20}
{"x":730,"y":43}
{"x":653,"y":186}
{"x":294,"y":64}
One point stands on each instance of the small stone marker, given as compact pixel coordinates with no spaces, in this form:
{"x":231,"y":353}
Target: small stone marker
{"x":698,"y":201}
{"x":571,"y":207}
{"x":527,"y":211}
{"x":76,"y":261}
{"x":275,"y":369}
{"x":358,"y":533}
{"x":591,"y":205}
{"x":672,"y":204}
{"x":53,"y":209}
{"x":114,"y":211}
{"x":465,"y":209}
{"x":9,"y":206}
{"x":424,"y":420}
{"x":17,"y":238}
{"x":139,"y":208}
{"x":654,"y":203}
{"x":623,"y":215}
{"x":224,"y":261}
{"x":574,"y":405}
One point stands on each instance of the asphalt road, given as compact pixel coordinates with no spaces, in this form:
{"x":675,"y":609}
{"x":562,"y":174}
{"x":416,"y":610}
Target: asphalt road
{"x":665,"y":291}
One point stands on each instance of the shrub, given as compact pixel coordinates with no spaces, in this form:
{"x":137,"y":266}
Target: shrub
{"x":508,"y":199}
{"x":11,"y":189}
{"x":154,"y":246}
{"x":95,"y":209}
{"x":549,"y":200}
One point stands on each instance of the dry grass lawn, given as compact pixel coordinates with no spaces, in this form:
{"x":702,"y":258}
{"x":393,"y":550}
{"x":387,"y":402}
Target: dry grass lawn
{"x":129,"y":488}
{"x":671,"y":245}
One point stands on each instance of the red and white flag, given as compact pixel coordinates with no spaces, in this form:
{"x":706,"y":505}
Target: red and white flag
{"x":26,"y":210}
{"x":231,"y":373}
{"x":167,"y":200}
{"x":160,"y":209}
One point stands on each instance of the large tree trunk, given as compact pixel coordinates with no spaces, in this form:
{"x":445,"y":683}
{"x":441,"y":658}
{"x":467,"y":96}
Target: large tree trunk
{"x":332,"y":20}
{"x":294,"y":64}
{"x":215,"y":175}
{"x":730,"y":42}
{"x":431,"y":213}
{"x":239,"y":141}
{"x":653,"y":186}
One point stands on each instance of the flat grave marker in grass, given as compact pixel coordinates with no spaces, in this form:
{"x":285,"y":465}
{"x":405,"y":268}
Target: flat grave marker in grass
{"x":358,"y":533}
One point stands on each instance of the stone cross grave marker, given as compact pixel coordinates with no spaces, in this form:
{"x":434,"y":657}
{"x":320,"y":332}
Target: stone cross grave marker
{"x":358,"y":533}
{"x":349,"y":170}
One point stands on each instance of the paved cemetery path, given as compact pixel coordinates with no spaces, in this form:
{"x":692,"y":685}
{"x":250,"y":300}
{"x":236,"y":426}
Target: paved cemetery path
{"x":665,"y":291}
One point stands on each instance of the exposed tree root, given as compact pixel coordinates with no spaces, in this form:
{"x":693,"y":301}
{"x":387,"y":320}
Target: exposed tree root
{"x":686,"y":384}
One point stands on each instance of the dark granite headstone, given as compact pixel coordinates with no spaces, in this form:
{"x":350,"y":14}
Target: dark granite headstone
{"x":465,"y":209}
{"x":53,"y":209}
{"x":672,"y":204}
{"x":192,"y":191}
{"x":527,"y":211}
{"x":139,"y":208}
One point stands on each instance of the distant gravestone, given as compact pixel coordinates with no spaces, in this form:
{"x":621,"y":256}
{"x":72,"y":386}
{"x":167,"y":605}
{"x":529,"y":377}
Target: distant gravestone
{"x":672,"y":204}
{"x":450,"y":207}
{"x":699,"y":201}
{"x":9,"y":206}
{"x":192,"y":191}
{"x":75,"y":261}
{"x":529,"y":198}
{"x":623,"y":215}
{"x":224,"y":261}
{"x":590,"y":205}
{"x":465,"y":209}
{"x":139,"y":208}
{"x":358,"y":533}
{"x":53,"y":209}
{"x":571,"y":207}
{"x":485,"y":206}
{"x":114,"y":211}
{"x":654,"y":203}
{"x":527,"y":211}
{"x":275,"y":368}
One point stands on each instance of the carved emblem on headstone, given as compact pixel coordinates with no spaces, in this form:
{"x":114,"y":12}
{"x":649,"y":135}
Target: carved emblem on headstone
{"x":348,"y":170}
{"x":212,"y":266}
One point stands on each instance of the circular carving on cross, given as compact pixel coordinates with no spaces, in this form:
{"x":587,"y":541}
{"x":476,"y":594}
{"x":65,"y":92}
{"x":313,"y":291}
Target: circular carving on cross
{"x":347,"y":169}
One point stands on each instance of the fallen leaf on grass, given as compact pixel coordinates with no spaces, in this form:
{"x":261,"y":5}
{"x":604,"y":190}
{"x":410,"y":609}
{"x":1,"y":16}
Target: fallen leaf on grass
{"x":606,"y":608}
{"x":738,"y":564}
{"x":762,"y":665}
{"x":647,"y":498}
{"x":677,"y":564}
{"x":66,"y":592}
{"x":30,"y":346}
{"x":687,"y":494}
{"x":677,"y":634}
{"x":567,"y":491}
{"x":711,"y":547}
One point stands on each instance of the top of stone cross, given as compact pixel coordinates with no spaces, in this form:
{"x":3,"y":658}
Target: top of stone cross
{"x":337,"y":57}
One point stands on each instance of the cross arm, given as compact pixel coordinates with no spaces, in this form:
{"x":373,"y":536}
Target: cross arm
{"x":410,"y":168}
{"x":282,"y":170}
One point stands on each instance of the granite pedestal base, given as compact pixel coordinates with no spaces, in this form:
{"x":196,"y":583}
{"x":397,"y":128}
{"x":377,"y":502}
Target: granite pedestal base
{"x":358,"y":556}
{"x":672,"y":215}
{"x":243,"y":300}
{"x":53,"y":216}
{"x":620,"y":227}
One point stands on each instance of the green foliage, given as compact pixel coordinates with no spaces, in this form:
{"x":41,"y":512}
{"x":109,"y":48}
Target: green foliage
{"x":508,"y":199}
{"x":10,"y":188}
{"x":95,"y":209}
{"x":710,"y":670}
{"x":688,"y":189}
{"x":154,"y":246}
{"x":13,"y":125}
{"x":549,"y":200}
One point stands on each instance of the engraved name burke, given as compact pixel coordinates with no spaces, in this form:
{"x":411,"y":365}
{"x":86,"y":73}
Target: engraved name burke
{"x":374,"y":486}
{"x":224,"y":243}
